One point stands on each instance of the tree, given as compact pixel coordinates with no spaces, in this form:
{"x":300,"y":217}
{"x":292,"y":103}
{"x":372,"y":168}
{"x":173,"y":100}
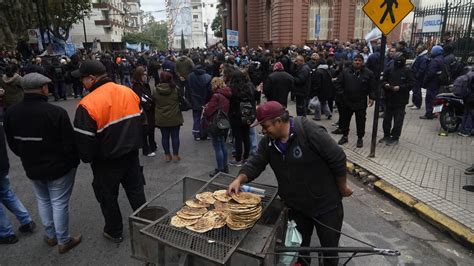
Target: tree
{"x":16,"y":17}
{"x":183,"y":45}
{"x":216,"y":25}
{"x":61,"y":15}
{"x":154,"y":33}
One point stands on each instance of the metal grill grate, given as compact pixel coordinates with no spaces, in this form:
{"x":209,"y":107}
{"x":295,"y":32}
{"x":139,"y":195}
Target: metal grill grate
{"x":216,"y":245}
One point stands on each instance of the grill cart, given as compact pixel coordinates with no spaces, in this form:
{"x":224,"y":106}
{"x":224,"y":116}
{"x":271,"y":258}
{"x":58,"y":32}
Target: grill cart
{"x":155,"y":241}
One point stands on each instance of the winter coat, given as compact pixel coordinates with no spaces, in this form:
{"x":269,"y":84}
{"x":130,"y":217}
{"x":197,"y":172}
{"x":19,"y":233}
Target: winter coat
{"x":220,"y":99}
{"x":149,"y":113}
{"x":44,"y":140}
{"x":13,"y":90}
{"x":125,"y":68}
{"x":235,"y":115}
{"x":277,"y":86}
{"x":373,"y":63}
{"x":431,"y":78}
{"x":354,"y":87}
{"x":302,"y":81}
{"x":402,"y":77}
{"x":198,"y":90}
{"x":4,"y":165}
{"x":167,"y":112}
{"x":322,"y":85}
{"x":419,"y":66}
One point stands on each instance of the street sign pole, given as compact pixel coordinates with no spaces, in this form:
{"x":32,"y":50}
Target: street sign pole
{"x":377,"y":97}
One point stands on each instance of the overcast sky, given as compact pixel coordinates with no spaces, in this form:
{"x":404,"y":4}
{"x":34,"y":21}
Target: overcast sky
{"x":154,"y":5}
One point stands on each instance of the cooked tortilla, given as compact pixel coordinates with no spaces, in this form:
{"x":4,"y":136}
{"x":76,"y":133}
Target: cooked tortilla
{"x":195,"y":203}
{"x":206,"y":197}
{"x":246,"y":198}
{"x":180,"y":222}
{"x":221,"y":195}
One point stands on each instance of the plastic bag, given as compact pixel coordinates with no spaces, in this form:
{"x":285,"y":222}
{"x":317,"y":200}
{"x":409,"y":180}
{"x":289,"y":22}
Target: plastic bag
{"x":314,"y":103}
{"x":293,"y":239}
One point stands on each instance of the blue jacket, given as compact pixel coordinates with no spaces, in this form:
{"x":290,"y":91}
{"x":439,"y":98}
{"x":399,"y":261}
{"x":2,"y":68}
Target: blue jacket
{"x":198,"y":91}
{"x":373,"y":63}
{"x":419,"y":66}
{"x":431,"y":78}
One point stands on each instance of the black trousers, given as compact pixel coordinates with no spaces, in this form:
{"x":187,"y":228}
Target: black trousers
{"x":397,"y":114}
{"x":108,"y":175}
{"x":345,"y":120}
{"x":326,"y":236}
{"x":148,"y":136}
{"x":301,"y":105}
{"x":241,"y":134}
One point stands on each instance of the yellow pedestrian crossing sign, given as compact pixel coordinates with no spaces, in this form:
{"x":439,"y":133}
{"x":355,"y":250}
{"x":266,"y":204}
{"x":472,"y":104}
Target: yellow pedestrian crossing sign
{"x":387,"y":14}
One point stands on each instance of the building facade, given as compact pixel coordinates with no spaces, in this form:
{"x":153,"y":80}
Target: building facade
{"x":107,"y":22}
{"x":281,"y":23}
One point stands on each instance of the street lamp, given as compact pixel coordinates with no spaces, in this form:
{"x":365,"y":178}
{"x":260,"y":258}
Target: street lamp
{"x":205,"y":27}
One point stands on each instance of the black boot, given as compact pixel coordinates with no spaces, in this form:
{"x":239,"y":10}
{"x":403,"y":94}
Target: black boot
{"x":360,"y":143}
{"x":343,"y":140}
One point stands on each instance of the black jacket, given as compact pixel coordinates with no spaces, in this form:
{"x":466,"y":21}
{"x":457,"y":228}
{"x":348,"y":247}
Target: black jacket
{"x":306,"y":172}
{"x":321,"y":84}
{"x":277,"y":86}
{"x":402,"y":77}
{"x":198,"y":90}
{"x":354,"y":87}
{"x":42,"y":136}
{"x":302,"y":81}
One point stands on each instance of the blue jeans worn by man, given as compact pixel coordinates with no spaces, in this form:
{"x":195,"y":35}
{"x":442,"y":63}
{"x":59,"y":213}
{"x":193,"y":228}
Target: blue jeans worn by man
{"x":53,"y":205}
{"x":467,"y":122}
{"x":12,"y":203}
{"x":197,"y":124}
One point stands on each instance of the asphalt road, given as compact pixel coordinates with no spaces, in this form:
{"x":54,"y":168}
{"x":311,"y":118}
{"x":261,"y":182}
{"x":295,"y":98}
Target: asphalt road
{"x":368,"y":216}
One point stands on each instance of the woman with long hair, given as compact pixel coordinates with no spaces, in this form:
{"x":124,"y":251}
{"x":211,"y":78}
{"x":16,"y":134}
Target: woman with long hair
{"x":142,"y":89}
{"x":220,"y":100}
{"x":242,"y":97}
{"x":168,"y":116}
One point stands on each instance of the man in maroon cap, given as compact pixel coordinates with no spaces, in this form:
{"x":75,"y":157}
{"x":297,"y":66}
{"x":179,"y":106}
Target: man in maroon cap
{"x":311,"y":172}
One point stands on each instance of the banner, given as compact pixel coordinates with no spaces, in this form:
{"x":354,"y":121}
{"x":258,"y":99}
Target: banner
{"x":432,"y":23}
{"x":317,"y":27}
{"x":134,"y":46}
{"x":146,"y":47}
{"x":232,"y":37}
{"x":374,"y":34}
{"x":70,"y":49}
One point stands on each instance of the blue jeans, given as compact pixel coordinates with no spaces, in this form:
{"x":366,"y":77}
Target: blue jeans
{"x":467,"y":121}
{"x":429,"y":101}
{"x":53,"y":205}
{"x":166,"y":133}
{"x":417,"y":98}
{"x":253,"y":140}
{"x":12,"y":203}
{"x":59,"y":90}
{"x":197,"y":123}
{"x":218,"y":142}
{"x":126,"y":81}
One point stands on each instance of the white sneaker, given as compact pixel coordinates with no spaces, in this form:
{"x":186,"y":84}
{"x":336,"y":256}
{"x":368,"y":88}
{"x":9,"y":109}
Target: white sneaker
{"x":414,"y":108}
{"x":152,"y":154}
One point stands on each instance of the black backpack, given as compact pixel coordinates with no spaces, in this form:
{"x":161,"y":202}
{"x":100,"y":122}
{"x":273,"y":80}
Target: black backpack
{"x":444,"y":77}
{"x":219,"y":124}
{"x":456,"y":68}
{"x":247,"y":112}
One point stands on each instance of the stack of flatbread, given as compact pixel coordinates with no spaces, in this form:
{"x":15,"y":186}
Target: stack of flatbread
{"x":239,"y":211}
{"x":244,"y":210}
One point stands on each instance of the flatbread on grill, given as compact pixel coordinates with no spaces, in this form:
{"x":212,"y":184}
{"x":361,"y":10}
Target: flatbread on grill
{"x":195,"y":203}
{"x":180,"y":222}
{"x":186,"y":216}
{"x":246,"y":198}
{"x":221,"y":206}
{"x":221,"y":195}
{"x":202,"y":225}
{"x":206,"y":197}
{"x":218,"y":217}
{"x":238,"y":225}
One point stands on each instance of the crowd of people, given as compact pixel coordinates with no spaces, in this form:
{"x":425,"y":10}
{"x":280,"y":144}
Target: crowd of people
{"x":125,"y":96}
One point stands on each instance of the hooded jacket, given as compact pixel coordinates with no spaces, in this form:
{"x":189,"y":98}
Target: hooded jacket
{"x":277,"y":86}
{"x":435,"y":65}
{"x":354,"y":86}
{"x":13,"y":90}
{"x":302,"y":81}
{"x":167,"y":112}
{"x":198,"y":91}
{"x":402,"y":77}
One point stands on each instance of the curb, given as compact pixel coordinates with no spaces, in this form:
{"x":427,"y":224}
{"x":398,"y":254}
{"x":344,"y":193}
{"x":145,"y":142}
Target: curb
{"x":444,"y":223}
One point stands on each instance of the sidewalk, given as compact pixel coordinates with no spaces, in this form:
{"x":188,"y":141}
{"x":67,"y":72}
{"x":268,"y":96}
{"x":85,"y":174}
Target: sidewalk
{"x":427,"y":167}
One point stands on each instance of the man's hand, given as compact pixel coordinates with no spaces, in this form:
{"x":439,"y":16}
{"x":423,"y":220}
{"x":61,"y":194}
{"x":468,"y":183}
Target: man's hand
{"x":235,"y":185}
{"x":345,"y":191}
{"x":371,"y":102}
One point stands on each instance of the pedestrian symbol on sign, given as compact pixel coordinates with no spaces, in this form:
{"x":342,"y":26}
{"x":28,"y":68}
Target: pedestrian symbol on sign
{"x":389,"y":10}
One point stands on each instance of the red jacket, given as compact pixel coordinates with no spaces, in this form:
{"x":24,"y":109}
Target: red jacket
{"x":220,"y":98}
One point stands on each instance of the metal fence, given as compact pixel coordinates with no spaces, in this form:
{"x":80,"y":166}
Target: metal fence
{"x":450,"y":22}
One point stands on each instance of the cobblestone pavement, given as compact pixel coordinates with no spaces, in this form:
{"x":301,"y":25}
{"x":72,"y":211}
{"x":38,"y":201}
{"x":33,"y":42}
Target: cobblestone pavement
{"x":425,"y":165}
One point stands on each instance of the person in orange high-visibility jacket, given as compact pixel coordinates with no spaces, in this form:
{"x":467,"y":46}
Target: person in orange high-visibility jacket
{"x":108,"y":135}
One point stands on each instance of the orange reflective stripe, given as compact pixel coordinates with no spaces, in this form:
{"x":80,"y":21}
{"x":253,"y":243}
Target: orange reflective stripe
{"x":111,"y":103}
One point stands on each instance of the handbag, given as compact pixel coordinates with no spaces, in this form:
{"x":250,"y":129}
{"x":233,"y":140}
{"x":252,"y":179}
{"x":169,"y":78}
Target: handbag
{"x":220,"y":124}
{"x":184,"y":104}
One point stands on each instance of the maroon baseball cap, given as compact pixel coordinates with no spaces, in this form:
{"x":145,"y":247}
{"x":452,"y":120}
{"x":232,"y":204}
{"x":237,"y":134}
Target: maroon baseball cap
{"x":267,"y":111}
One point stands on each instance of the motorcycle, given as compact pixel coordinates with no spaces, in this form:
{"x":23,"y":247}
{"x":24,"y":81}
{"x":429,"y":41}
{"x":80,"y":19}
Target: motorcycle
{"x":451,"y":109}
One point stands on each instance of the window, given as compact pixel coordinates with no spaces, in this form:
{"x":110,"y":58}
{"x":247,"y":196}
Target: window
{"x":195,"y":16}
{"x":212,"y":5}
{"x":195,"y":7}
{"x":319,"y":13}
